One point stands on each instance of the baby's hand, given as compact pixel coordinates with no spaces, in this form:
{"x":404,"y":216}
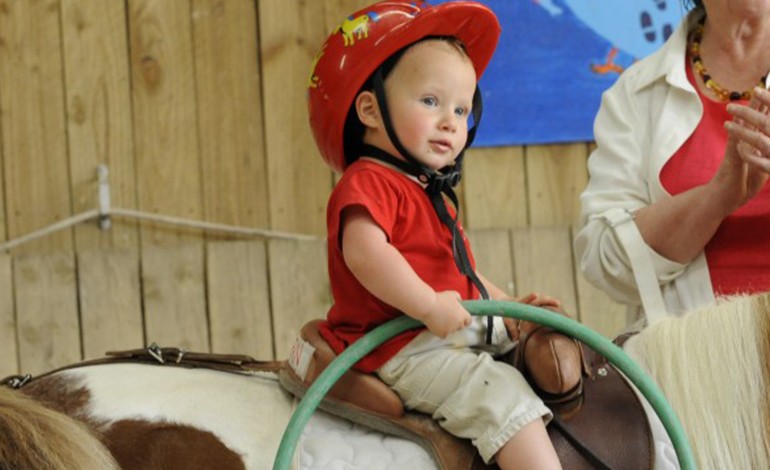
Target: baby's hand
{"x":447,"y":314}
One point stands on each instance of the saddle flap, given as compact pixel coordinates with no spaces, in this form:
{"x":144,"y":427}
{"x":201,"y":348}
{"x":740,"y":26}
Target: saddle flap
{"x":606,"y":427}
{"x":363,"y":390}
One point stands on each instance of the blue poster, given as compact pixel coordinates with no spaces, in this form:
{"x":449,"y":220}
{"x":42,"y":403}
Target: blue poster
{"x":556,"y":57}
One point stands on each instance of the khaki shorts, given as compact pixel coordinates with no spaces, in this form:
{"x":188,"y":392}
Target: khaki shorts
{"x":467,"y":392}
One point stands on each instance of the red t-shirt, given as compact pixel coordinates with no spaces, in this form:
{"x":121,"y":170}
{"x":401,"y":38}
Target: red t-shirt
{"x":402,"y":209}
{"x":738,"y":255}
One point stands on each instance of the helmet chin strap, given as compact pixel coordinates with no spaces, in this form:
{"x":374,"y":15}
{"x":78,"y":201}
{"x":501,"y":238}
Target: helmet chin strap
{"x":451,"y":173}
{"x":437,"y":182}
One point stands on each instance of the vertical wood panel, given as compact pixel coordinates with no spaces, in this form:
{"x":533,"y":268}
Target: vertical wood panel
{"x":110,"y":301}
{"x":234,"y":172}
{"x":492,"y":251}
{"x":299,"y":288}
{"x":46,"y":305}
{"x":32,"y":110}
{"x":543,"y":263}
{"x":3,"y":205}
{"x":239,"y":298}
{"x":168,"y":165}
{"x":99,"y":114}
{"x":164,"y":111}
{"x":230,"y":112}
{"x":597,"y":309}
{"x":9,"y":357}
{"x":175,"y":304}
{"x":99,"y":126}
{"x":556,"y":175}
{"x":291,"y":33}
{"x":494,"y":187}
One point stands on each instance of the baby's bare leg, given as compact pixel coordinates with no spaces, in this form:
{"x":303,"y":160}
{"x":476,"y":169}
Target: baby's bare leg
{"x":530,"y":449}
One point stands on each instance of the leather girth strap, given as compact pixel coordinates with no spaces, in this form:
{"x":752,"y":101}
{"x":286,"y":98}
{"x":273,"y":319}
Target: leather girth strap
{"x":166,"y":356}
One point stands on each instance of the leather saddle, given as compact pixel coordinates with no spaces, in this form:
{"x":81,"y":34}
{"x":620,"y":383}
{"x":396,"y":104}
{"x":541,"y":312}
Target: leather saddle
{"x":366,"y":400}
{"x":605,"y":427}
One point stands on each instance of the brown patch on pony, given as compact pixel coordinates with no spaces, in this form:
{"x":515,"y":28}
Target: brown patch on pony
{"x":168,"y":446}
{"x":65,"y":395}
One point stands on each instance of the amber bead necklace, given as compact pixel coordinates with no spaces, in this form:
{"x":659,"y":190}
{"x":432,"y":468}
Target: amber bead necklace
{"x":722,"y":93}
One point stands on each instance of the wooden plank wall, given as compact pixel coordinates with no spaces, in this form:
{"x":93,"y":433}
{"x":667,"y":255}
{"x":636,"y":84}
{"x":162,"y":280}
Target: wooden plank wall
{"x":197,"y":109}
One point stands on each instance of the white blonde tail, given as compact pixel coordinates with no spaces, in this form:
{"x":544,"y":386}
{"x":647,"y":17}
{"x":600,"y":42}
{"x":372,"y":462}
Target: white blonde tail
{"x":713,"y":366}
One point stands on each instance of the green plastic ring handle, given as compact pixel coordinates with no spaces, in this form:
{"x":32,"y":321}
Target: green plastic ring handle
{"x":594,"y":340}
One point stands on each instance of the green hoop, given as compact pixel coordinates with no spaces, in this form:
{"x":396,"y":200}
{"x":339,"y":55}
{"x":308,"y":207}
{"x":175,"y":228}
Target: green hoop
{"x":594,"y":340}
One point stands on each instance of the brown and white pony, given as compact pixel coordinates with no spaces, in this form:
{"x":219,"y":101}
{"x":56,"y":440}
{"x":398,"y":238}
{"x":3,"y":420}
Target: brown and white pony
{"x":712,"y":365}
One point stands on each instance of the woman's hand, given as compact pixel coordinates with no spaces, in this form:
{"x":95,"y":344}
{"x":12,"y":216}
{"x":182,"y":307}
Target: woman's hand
{"x":516,"y":327}
{"x":746,"y":166}
{"x":540,"y":300}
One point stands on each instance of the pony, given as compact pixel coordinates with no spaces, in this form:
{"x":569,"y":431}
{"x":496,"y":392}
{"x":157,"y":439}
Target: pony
{"x":710,"y":363}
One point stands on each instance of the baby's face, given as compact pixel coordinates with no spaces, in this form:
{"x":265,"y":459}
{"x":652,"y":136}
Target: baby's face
{"x":430,"y":95}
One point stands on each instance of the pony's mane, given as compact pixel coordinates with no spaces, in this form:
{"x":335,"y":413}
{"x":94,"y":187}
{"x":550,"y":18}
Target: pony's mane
{"x":34,"y":436}
{"x":712,"y":364}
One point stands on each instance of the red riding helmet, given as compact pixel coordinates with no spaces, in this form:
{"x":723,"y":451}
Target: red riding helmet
{"x":367,"y":38}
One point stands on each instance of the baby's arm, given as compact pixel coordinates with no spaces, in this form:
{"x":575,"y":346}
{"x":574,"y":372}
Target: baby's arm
{"x":384,"y":272}
{"x":534,"y":298}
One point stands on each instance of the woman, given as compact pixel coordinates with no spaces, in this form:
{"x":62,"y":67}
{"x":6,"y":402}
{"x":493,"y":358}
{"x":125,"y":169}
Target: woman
{"x":677,"y":202}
